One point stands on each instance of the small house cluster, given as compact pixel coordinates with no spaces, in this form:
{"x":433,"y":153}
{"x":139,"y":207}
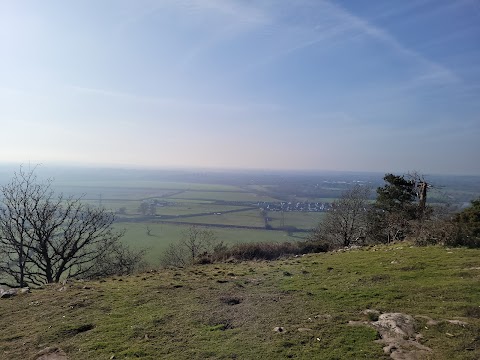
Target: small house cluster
{"x":295,"y":206}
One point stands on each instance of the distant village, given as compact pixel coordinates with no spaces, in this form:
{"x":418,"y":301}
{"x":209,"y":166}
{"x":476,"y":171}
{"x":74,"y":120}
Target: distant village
{"x":149,"y":207}
{"x":294,"y":206}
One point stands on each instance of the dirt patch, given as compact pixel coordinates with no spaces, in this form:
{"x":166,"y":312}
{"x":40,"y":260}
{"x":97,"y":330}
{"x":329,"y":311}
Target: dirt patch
{"x":231,"y":300}
{"x":51,"y":353}
{"x":472,"y":312}
{"x":74,"y":330}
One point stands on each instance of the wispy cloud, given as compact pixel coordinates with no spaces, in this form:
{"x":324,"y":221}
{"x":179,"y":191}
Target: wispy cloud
{"x":329,"y":23}
{"x":228,"y":11}
{"x":236,"y":10}
{"x":121,"y":95}
{"x":178,"y":102}
{"x":433,"y":72}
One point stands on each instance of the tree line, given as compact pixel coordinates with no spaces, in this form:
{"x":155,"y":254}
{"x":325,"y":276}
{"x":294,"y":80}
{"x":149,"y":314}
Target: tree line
{"x":399,"y":212}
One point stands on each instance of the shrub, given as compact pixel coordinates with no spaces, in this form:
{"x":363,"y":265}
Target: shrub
{"x":268,"y":250}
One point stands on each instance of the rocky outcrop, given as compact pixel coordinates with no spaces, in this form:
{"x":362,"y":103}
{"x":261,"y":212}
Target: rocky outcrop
{"x":397,"y":333}
{"x":8,"y":293}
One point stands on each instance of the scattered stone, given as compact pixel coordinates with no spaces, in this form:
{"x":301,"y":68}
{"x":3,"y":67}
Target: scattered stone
{"x":279,"y":329}
{"x":8,"y":293}
{"x":457,"y":322}
{"x":392,"y":325}
{"x":51,"y":353}
{"x":371,"y":311}
{"x":304,"y":329}
{"x":323,"y":316}
{"x":357,"y":323}
{"x":429,"y":320}
{"x":432,"y":322}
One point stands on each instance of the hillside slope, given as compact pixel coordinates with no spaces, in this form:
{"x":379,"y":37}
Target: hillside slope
{"x":295,"y":308}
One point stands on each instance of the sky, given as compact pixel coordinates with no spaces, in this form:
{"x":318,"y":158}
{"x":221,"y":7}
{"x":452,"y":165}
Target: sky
{"x":253,"y":84}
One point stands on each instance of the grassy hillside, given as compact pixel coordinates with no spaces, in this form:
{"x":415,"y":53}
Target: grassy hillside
{"x":229,"y":311}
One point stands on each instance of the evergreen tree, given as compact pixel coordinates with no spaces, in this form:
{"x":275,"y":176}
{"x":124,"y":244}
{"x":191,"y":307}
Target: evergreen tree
{"x":468,"y":225}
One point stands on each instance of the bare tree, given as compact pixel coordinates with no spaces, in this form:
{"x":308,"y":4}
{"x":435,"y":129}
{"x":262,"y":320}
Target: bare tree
{"x":119,"y":260}
{"x":174,"y":256}
{"x":345,"y":223}
{"x":421,"y":189}
{"x":15,"y":229}
{"x":195,"y":242}
{"x":149,"y":231}
{"x":44,"y":236}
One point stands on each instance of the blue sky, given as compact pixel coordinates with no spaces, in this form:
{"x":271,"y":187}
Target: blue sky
{"x":306,"y":84}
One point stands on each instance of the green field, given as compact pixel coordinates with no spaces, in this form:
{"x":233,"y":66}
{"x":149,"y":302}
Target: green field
{"x":189,"y":203}
{"x":241,"y":218}
{"x":223,"y":196}
{"x":164,"y":234}
{"x":194,"y":208}
{"x":301,"y":220}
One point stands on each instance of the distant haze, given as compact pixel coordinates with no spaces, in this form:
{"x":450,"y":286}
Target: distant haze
{"x":302,"y":85}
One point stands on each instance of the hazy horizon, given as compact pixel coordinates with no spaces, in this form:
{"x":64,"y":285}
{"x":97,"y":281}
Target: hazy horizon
{"x":53,"y":166}
{"x":229,"y":84}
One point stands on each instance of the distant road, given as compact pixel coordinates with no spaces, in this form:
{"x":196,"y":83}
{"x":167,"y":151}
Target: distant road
{"x":156,"y":220}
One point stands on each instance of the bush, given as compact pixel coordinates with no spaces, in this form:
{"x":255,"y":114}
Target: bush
{"x":467,"y":227}
{"x":121,"y":260}
{"x":196,"y":246}
{"x":268,"y":251}
{"x":311,"y":246}
{"x":433,"y":232}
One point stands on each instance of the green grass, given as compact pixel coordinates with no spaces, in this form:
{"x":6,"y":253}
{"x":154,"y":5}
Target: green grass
{"x":301,"y":220}
{"x":241,"y":218}
{"x":224,"y":196}
{"x":228,"y":311}
{"x":194,"y":208}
